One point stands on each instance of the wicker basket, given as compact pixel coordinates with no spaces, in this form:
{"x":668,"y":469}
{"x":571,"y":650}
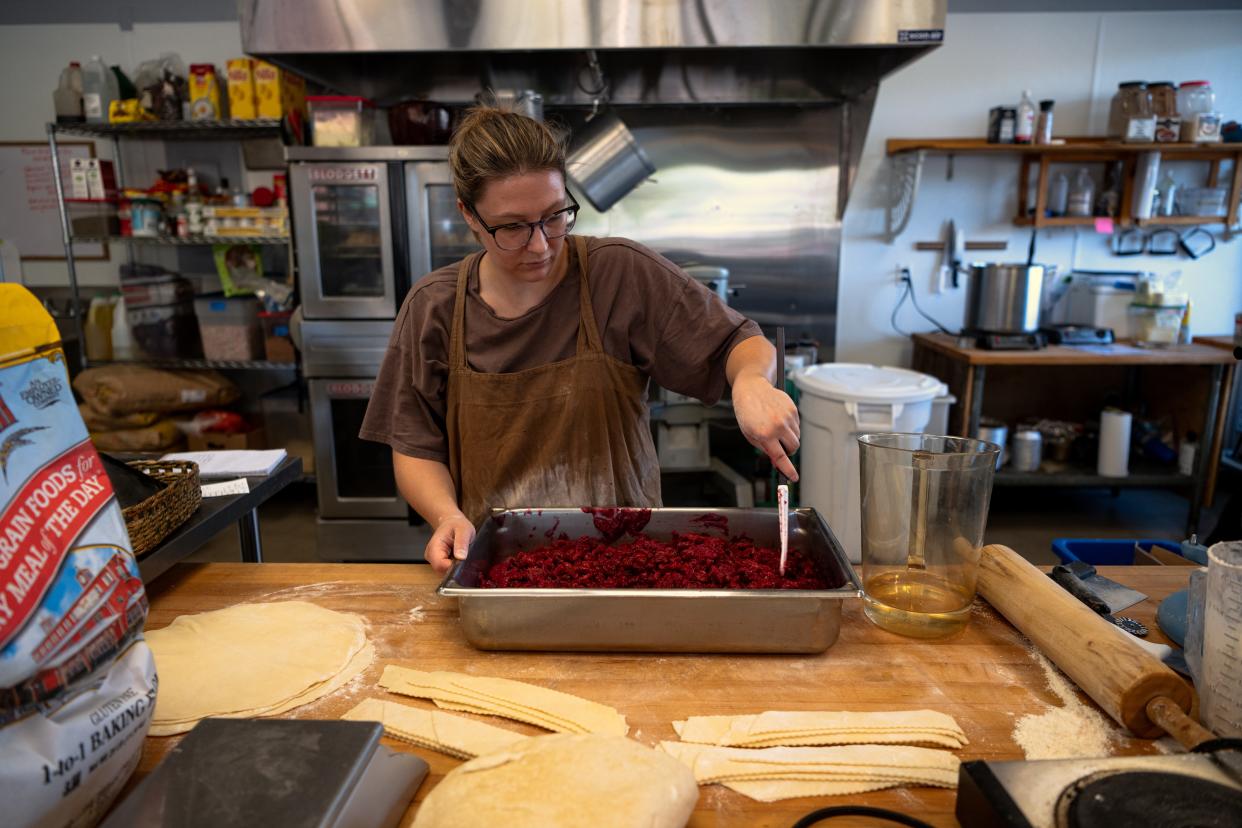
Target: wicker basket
{"x":150,"y":521}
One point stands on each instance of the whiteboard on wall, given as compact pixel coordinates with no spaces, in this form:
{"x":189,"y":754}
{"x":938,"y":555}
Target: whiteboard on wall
{"x":29,"y":217}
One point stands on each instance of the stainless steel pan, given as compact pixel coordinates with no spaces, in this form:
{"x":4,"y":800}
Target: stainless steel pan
{"x":691,"y":620}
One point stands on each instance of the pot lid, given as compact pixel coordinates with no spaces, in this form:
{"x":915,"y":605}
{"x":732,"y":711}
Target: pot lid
{"x":856,"y":382}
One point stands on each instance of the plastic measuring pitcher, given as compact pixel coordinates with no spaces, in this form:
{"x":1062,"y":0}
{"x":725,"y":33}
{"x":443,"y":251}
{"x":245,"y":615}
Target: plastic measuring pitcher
{"x":1219,"y":678}
{"x":924,"y":505}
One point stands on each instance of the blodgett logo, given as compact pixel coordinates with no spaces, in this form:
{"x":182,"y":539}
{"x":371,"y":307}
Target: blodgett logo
{"x":42,"y":392}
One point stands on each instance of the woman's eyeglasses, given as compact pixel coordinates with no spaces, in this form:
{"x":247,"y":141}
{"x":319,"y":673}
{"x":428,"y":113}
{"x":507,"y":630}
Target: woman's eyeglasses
{"x":516,"y":235}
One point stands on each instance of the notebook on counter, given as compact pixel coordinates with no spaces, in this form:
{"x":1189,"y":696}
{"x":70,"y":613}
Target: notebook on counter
{"x":232,"y":463}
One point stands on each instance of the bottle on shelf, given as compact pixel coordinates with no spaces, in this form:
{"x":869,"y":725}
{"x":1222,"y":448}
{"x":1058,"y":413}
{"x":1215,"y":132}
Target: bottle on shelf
{"x":1081,"y":195}
{"x":1024,"y":129}
{"x":1058,"y":195}
{"x":193,"y":204}
{"x":98,"y":328}
{"x":99,"y":90}
{"x":67,"y":98}
{"x":1186,"y":454}
{"x":178,"y":217}
{"x":1043,"y":131}
{"x":1108,"y":202}
{"x":1166,"y":195}
{"x":122,"y":340}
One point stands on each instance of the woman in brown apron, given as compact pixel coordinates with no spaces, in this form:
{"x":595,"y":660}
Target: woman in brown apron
{"x":506,"y":385}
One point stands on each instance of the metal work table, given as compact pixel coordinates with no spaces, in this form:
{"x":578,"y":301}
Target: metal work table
{"x":214,"y":514}
{"x":966,"y":368}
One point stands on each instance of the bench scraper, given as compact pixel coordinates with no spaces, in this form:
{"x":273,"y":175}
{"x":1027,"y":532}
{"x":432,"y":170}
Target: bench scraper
{"x":1112,"y":593}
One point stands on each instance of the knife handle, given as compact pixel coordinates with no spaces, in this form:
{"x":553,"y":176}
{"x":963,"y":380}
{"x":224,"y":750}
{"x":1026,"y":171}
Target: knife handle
{"x":1070,"y":582}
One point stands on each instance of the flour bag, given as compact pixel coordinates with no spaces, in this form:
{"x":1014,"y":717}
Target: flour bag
{"x":77,"y":682}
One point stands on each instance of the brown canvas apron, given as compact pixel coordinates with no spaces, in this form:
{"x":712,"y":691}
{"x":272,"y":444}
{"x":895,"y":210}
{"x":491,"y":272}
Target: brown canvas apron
{"x":568,"y":434}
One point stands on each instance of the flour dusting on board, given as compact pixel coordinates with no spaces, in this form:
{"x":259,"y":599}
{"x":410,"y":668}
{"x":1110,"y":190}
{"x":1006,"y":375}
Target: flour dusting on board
{"x":415,"y":615}
{"x":1067,"y":732}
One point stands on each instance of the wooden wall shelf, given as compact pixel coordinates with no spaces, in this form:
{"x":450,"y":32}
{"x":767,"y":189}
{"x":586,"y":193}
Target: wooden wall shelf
{"x":1072,"y":146}
{"x":1090,"y":150}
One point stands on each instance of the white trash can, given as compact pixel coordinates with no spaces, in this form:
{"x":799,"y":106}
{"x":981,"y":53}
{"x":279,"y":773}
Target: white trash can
{"x":839,"y":401}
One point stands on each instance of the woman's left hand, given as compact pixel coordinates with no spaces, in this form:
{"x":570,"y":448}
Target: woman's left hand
{"x":768,"y":419}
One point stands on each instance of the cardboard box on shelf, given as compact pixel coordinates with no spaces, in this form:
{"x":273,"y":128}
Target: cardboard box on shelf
{"x":100,"y":178}
{"x":243,"y":104}
{"x":77,"y":178}
{"x":209,"y":441}
{"x":204,"y":93}
{"x":278,"y":92}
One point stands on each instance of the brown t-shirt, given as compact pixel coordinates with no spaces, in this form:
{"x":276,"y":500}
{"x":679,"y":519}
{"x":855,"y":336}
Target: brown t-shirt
{"x":650,"y":315}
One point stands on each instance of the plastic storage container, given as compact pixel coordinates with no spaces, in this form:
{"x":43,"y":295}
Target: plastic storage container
{"x":161,"y":316}
{"x":1105,"y":552}
{"x":1196,"y":104}
{"x":230,"y":328}
{"x":1101,"y":305}
{"x":838,"y":402}
{"x":1157,"y":325}
{"x":1202,"y":201}
{"x":341,"y":120}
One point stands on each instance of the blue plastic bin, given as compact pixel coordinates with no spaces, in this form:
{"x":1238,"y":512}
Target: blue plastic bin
{"x":1105,"y":551}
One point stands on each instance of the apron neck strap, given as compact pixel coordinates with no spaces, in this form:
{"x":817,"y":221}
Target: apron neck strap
{"x":588,"y":330}
{"x":457,"y":334}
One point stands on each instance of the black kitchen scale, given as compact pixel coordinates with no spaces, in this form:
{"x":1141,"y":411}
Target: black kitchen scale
{"x":1078,"y":335}
{"x":993,"y":341}
{"x":1199,"y":789}
{"x":229,"y":773}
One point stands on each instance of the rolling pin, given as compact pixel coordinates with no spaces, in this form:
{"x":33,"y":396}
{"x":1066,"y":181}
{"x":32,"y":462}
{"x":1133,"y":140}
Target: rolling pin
{"x":1130,"y":685}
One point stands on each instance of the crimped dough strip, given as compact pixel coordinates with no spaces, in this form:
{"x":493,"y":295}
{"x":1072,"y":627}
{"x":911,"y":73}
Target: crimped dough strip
{"x":550,"y":709}
{"x":434,"y":729}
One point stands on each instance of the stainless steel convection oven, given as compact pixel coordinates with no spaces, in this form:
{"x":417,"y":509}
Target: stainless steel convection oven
{"x":368,"y":221}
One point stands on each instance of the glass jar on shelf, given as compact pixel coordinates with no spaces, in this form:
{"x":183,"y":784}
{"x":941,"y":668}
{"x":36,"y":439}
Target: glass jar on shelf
{"x":1131,"y":117}
{"x":1164,"y":107}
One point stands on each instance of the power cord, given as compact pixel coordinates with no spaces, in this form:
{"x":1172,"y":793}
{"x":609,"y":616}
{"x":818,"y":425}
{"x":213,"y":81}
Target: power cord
{"x":908,"y":293}
{"x":859,"y":810}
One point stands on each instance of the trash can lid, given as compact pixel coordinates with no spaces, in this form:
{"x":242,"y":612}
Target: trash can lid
{"x":856,"y":382}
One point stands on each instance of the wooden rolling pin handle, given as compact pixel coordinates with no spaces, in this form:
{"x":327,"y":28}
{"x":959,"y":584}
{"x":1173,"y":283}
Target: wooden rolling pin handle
{"x":1165,"y":712}
{"x":1120,"y":676}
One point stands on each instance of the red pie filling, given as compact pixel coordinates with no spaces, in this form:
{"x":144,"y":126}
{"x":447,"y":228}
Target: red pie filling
{"x":689,"y":561}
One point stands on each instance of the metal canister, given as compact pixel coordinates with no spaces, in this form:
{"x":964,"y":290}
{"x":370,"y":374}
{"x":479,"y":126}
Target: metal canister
{"x":994,"y":431}
{"x":1027,"y":450}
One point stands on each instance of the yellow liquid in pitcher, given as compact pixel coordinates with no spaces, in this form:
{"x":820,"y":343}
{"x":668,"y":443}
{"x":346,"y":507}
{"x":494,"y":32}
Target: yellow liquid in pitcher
{"x":916,"y":603}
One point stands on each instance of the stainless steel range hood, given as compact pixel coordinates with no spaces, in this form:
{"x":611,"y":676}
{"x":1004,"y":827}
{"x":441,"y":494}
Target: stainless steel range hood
{"x":754,"y":113}
{"x":654,"y":51}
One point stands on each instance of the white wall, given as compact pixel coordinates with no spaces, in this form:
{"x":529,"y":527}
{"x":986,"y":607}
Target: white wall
{"x":1077,"y":59}
{"x":32,"y":58}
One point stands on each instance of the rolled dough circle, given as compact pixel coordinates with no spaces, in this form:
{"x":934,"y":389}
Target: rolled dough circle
{"x":250,"y":659}
{"x":564,"y":779}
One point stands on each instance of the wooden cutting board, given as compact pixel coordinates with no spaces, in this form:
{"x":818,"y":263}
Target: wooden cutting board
{"x":986,"y":677}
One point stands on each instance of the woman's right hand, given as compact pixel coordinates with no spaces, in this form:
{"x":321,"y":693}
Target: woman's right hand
{"x":450,"y":541}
